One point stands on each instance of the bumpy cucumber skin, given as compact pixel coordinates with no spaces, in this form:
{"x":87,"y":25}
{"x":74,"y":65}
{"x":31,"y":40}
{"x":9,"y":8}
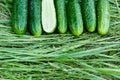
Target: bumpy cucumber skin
{"x":60,"y":6}
{"x":89,"y":14}
{"x":35,"y":17}
{"x":19,"y":16}
{"x":75,"y":21}
{"x":103,"y":10}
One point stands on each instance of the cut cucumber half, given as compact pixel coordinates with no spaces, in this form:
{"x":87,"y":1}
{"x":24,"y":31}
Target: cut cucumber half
{"x":48,"y":16}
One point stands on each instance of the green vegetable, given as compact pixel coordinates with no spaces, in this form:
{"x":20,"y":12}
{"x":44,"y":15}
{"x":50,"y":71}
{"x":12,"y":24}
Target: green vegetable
{"x":89,"y":14}
{"x":103,"y":10}
{"x":75,"y":21}
{"x":60,"y":6}
{"x":19,"y":16}
{"x":48,"y":16}
{"x":35,"y":17}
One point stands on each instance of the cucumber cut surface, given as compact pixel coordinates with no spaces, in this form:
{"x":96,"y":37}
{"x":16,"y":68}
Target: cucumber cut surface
{"x":49,"y":21}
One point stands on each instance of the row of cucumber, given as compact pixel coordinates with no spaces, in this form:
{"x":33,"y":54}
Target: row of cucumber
{"x":48,"y":15}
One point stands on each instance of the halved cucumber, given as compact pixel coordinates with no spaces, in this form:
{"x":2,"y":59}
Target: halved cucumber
{"x":48,"y":16}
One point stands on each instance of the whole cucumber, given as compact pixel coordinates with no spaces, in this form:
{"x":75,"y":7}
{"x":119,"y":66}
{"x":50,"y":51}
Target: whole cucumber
{"x":35,"y":25}
{"x":60,"y":6}
{"x":75,"y":21}
{"x":19,"y":16}
{"x":103,"y":10}
{"x":89,"y":14}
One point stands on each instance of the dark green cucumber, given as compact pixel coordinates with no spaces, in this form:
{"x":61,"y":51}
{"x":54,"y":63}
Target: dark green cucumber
{"x":103,"y":10}
{"x":89,"y":14}
{"x":61,"y":15}
{"x":35,"y":17}
{"x":19,"y":16}
{"x":75,"y":21}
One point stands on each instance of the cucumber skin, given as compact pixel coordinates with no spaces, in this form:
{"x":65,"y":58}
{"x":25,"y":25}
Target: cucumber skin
{"x":61,"y":15}
{"x":19,"y":16}
{"x":35,"y":17}
{"x":75,"y":21}
{"x":103,"y":10}
{"x":89,"y":14}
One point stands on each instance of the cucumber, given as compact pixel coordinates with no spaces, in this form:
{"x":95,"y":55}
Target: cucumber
{"x":75,"y":21}
{"x":35,"y":17}
{"x":49,"y":21}
{"x":19,"y":16}
{"x":89,"y":14}
{"x":61,"y":15}
{"x":103,"y":10}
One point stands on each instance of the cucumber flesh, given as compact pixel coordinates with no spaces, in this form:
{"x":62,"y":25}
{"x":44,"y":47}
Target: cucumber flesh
{"x":48,"y":16}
